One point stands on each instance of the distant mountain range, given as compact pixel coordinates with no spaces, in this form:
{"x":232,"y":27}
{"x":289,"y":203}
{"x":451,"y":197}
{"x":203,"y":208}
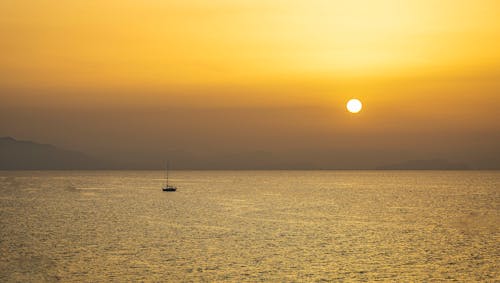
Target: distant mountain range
{"x":27,"y":155}
{"x":433,"y":164}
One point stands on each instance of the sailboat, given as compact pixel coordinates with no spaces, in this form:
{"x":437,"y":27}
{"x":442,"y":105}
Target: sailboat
{"x":167,"y":187}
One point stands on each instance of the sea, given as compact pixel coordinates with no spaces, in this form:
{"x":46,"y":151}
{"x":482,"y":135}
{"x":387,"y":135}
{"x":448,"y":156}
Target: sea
{"x":250,"y":226}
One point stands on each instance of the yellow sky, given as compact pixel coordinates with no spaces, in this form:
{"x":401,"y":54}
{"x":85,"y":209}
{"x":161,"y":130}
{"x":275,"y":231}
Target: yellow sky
{"x":120,"y":44}
{"x":420,"y":66}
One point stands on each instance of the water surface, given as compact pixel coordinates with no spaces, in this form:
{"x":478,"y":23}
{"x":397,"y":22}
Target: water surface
{"x":249,"y":226}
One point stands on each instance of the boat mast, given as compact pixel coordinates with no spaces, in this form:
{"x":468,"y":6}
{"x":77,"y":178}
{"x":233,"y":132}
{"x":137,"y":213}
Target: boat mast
{"x":167,"y":173}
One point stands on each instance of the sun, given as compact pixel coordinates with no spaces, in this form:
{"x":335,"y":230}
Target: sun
{"x":354,"y":105}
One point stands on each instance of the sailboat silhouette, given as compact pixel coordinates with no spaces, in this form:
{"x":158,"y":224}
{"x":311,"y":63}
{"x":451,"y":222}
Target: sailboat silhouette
{"x":167,"y":187}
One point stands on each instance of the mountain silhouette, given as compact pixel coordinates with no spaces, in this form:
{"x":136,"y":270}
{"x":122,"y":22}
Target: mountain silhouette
{"x":27,"y":155}
{"x":432,"y":164}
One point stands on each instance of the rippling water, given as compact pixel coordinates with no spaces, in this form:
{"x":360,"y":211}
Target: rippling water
{"x":250,"y":226}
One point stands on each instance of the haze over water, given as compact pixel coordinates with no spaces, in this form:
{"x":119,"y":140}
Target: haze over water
{"x":249,"y":226}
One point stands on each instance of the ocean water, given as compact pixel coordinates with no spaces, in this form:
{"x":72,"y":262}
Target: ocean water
{"x":273,"y":226}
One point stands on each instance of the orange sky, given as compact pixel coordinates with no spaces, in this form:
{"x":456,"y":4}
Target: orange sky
{"x":236,"y":78}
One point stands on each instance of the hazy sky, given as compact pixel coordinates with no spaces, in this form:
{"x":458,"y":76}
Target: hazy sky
{"x":250,"y":84}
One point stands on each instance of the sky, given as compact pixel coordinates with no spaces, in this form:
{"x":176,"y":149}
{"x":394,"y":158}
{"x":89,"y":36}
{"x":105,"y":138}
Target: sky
{"x":248,"y":84}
